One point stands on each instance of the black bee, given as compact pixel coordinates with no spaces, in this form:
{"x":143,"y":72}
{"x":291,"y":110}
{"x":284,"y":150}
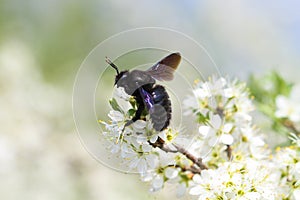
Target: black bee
{"x":150,"y":97}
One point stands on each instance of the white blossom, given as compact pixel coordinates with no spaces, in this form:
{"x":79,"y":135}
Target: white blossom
{"x":171,"y":173}
{"x":120,"y":92}
{"x":141,"y":158}
{"x":289,"y":107}
{"x":240,"y":164}
{"x":235,"y":181}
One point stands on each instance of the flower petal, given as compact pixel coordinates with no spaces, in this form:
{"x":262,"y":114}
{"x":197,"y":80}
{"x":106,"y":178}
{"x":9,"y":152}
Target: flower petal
{"x":216,"y":121}
{"x":142,"y":166}
{"x":227,"y":139}
{"x":139,"y":125}
{"x":195,"y":190}
{"x":171,"y":173}
{"x":181,"y":189}
{"x":158,"y":182}
{"x":116,"y":116}
{"x":204,"y":130}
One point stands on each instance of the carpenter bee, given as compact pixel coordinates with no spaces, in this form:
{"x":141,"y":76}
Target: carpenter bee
{"x":150,"y":97}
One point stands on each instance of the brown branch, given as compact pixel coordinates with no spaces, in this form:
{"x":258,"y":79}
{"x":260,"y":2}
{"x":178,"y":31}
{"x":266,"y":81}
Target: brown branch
{"x":160,"y":143}
{"x":290,"y":125}
{"x":229,"y":152}
{"x":192,"y":168}
{"x":194,"y":159}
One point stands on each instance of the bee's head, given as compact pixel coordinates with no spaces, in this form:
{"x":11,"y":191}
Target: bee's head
{"x":120,"y":78}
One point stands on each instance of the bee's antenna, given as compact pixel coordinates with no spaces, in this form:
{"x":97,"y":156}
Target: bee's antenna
{"x":112,"y":64}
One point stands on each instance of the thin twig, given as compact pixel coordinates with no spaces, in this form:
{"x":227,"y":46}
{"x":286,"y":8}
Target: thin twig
{"x":194,"y":159}
{"x":290,"y":125}
{"x":160,"y":143}
{"x":229,"y":152}
{"x":192,"y":168}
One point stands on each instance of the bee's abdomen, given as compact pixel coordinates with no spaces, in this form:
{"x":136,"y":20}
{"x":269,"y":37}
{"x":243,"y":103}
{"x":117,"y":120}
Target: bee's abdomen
{"x":160,"y":113}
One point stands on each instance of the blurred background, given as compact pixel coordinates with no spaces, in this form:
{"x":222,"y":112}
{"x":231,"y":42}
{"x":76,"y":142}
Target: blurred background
{"x":42,"y":45}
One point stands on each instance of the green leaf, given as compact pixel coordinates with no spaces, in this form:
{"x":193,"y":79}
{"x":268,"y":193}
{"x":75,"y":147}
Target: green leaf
{"x":132,"y":102}
{"x":131,"y":112}
{"x":265,"y":90}
{"x":114,"y":104}
{"x":202,"y":119}
{"x":282,"y":86}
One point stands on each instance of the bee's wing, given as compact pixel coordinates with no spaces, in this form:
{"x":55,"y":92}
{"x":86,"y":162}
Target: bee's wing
{"x":164,"y":69}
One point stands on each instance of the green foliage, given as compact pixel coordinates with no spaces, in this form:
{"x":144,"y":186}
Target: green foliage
{"x":115,"y":106}
{"x":132,"y":102}
{"x":202,"y":119}
{"x":265,"y":90}
{"x":131,"y":112}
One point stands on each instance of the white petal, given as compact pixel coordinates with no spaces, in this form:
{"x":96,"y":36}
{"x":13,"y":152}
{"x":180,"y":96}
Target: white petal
{"x":253,"y":195}
{"x":222,"y":81}
{"x":204,"y":130}
{"x":216,"y":121}
{"x":190,"y":103}
{"x":295,"y":117}
{"x":295,"y":93}
{"x":257,"y":141}
{"x":237,"y":178}
{"x":152,"y":161}
{"x":197,"y":178}
{"x":115,"y":115}
{"x":213,"y":141}
{"x":141,"y":139}
{"x":227,"y":139}
{"x":158,"y":182}
{"x":280,"y":113}
{"x":171,"y":173}
{"x":227,"y":128}
{"x":115,"y":148}
{"x":231,"y":195}
{"x":142,"y":166}
{"x":281,"y":101}
{"x":206,"y":174}
{"x":297,"y":167}
{"x":146,"y":177}
{"x":296,"y":194}
{"x":200,"y":93}
{"x":127,"y":152}
{"x":146,"y":148}
{"x":139,"y":124}
{"x":134,"y":163}
{"x":195,"y":190}
{"x":181,"y":189}
{"x":283,"y":105}
{"x":228,"y":92}
{"x":154,"y":138}
{"x":120,"y":92}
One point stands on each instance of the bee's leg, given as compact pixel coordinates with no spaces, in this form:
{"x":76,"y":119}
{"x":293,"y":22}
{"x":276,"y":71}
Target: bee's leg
{"x":137,"y":115}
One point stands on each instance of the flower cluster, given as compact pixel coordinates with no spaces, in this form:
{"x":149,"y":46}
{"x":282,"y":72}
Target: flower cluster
{"x":287,"y":161}
{"x":289,"y":107}
{"x":225,"y":158}
{"x":243,"y":180}
{"x":222,"y":109}
{"x":158,"y":157}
